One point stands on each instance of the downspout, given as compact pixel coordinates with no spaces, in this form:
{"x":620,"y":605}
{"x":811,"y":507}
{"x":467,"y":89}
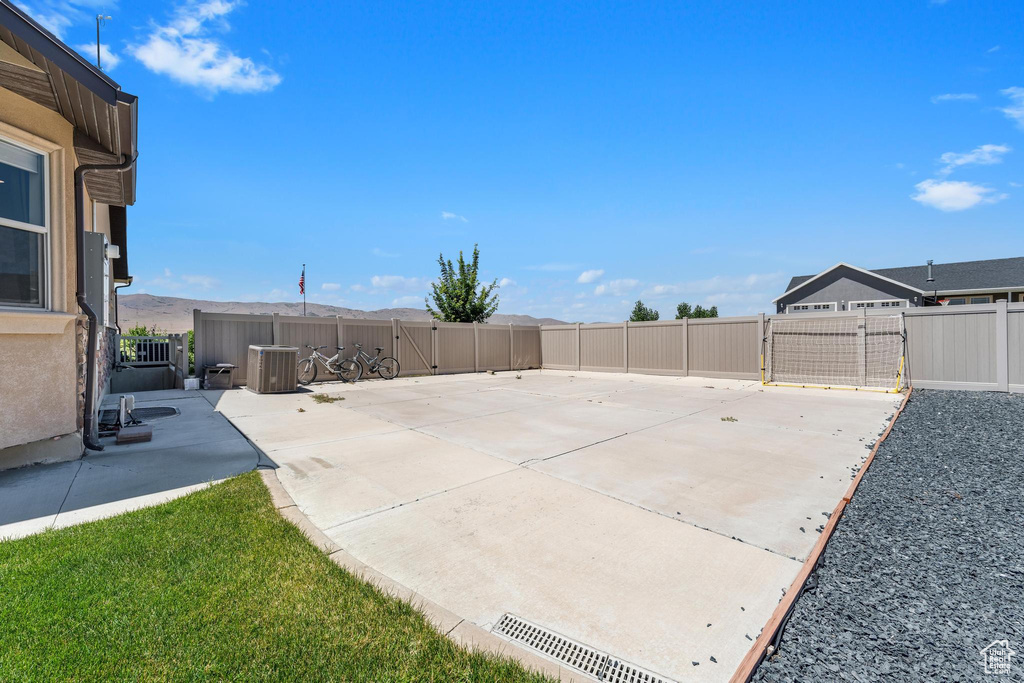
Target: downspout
{"x":117,"y":321}
{"x":90,"y":352}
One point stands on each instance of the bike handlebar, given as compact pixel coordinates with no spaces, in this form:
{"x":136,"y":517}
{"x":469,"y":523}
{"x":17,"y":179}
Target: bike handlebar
{"x":315,"y":348}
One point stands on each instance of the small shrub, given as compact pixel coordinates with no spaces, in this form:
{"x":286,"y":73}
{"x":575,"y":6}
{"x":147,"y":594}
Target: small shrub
{"x":729,"y":419}
{"x":326,"y":398}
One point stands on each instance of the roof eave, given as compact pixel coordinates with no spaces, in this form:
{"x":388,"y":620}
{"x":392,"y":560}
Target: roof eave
{"x":852,"y":267}
{"x":51,"y":47}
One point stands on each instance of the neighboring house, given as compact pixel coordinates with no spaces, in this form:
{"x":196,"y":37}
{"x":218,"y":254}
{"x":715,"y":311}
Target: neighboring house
{"x":848,"y":288}
{"x":58,"y":116}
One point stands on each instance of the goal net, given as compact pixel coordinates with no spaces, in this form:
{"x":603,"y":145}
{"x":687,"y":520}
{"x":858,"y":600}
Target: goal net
{"x":835,"y":351}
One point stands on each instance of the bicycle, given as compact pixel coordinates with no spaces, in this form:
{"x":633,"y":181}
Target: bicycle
{"x":386,"y":367}
{"x":346,"y":369}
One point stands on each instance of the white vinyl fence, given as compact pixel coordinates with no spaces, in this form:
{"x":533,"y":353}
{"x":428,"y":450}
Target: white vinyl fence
{"x":976,"y":347}
{"x":706,"y":347}
{"x":421,"y":347}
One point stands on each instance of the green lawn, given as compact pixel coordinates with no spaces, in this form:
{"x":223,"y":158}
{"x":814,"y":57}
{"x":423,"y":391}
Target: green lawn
{"x":215,"y":585}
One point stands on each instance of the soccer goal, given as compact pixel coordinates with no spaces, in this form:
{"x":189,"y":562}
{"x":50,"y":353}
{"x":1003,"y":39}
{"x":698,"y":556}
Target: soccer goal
{"x":848,"y":352}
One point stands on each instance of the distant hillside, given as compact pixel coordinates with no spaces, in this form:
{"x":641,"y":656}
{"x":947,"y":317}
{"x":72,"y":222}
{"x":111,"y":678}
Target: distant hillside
{"x":171,"y":314}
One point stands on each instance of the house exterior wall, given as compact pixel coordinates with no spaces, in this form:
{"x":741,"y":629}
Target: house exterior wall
{"x":39,"y":356}
{"x":844,"y":285}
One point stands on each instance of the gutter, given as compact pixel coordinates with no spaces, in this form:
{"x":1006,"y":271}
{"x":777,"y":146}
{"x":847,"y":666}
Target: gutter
{"x":89,"y":416}
{"x":123,"y":285}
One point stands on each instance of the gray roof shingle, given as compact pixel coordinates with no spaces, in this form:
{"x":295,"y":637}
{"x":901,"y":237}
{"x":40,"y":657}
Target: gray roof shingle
{"x":988,"y":274}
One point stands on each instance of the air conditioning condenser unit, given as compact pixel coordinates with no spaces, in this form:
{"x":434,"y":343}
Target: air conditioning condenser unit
{"x":272,"y":369}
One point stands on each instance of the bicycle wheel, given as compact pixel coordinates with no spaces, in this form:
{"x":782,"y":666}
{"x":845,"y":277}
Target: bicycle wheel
{"x":349,"y":370}
{"x":388,"y":368}
{"x":307,"y":371}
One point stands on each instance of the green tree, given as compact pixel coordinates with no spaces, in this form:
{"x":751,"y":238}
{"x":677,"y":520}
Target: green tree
{"x":684,"y":310}
{"x":641,"y":313}
{"x":458,"y":295}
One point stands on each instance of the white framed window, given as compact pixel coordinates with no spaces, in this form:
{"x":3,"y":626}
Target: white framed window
{"x":24,"y":226}
{"x":983,"y":299}
{"x":811,"y":308}
{"x":878,"y":303}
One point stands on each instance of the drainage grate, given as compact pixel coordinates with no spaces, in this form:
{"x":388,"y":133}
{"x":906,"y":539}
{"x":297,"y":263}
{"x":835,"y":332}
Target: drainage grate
{"x":109,"y":416}
{"x":571,"y":653}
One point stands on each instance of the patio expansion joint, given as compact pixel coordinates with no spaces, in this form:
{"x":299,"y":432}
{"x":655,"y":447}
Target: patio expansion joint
{"x":674,"y":518}
{"x":433,"y":494}
{"x":81,"y":463}
{"x":526,"y":464}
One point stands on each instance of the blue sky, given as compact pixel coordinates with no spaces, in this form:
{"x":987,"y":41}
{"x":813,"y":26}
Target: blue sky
{"x":598,"y":152}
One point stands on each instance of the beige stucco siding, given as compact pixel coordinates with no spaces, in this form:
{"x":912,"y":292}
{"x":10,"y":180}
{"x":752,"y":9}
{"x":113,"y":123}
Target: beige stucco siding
{"x":37,"y":386}
{"x":38,"y":357}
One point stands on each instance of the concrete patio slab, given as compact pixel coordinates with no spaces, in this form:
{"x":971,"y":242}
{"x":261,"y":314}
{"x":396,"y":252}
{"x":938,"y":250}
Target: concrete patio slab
{"x":316,"y":424}
{"x":197,"y":423}
{"x":841,"y":413}
{"x":542,"y":432}
{"x":753,"y":483}
{"x":32,"y":497}
{"x":422,"y":412}
{"x":612,"y":575}
{"x":189,"y":451}
{"x":344,"y":480}
{"x":601,"y":506}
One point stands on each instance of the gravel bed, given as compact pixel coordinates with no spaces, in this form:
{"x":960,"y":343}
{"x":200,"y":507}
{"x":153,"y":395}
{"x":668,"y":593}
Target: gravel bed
{"x":926,"y":567}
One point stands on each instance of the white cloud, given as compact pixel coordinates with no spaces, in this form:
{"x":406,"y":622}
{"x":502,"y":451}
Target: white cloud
{"x":506,"y":282}
{"x":377,"y":251}
{"x":588,"y":276}
{"x":994,"y":48}
{"x":407,"y":300}
{"x":330,"y":286}
{"x":185,"y":50}
{"x":735,"y":294}
{"x":397,"y":282}
{"x":201,"y":281}
{"x":986,"y":155}
{"x":167,"y":272}
{"x":953,"y":195}
{"x":954,"y":97}
{"x":717,"y":285}
{"x":1015,"y":110}
{"x":1013,"y":184}
{"x":109,"y":59}
{"x":55,"y":15}
{"x":448,"y":215}
{"x":617,"y":287}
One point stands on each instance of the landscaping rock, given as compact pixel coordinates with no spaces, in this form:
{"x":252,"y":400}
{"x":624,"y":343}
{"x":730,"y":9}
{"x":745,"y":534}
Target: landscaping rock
{"x":925,"y":568}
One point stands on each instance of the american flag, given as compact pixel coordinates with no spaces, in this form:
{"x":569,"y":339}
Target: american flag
{"x":302,"y":282}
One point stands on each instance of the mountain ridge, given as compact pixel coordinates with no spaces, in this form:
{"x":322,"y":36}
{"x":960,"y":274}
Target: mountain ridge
{"x":174,"y":314}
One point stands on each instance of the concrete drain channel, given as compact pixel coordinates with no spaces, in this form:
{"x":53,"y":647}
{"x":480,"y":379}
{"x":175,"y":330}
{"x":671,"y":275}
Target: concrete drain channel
{"x":599,"y":665}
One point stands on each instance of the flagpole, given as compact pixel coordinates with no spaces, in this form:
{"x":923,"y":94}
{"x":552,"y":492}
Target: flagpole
{"x":303,"y":290}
